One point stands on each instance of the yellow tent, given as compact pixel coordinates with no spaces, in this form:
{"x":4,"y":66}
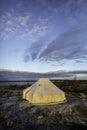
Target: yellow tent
{"x":43,"y":92}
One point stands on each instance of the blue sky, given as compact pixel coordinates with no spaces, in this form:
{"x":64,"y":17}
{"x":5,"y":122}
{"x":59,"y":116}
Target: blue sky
{"x":43,"y":35}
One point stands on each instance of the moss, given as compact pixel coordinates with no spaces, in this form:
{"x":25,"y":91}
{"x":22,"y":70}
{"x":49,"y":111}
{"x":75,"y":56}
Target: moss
{"x":1,"y":114}
{"x":9,"y":123}
{"x":71,"y":85}
{"x":4,"y":94}
{"x":83,"y":96}
{"x":72,"y":94}
{"x":9,"y":106}
{"x":82,"y":110}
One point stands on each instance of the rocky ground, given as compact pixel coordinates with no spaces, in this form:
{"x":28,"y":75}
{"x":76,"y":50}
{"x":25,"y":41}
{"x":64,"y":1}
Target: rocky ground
{"x":18,"y":114}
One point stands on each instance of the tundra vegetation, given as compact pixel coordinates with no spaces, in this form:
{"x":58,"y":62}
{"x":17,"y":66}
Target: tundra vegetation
{"x":18,"y":114}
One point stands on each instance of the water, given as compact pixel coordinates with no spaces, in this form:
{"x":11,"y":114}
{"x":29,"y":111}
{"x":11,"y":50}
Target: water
{"x":7,"y":83}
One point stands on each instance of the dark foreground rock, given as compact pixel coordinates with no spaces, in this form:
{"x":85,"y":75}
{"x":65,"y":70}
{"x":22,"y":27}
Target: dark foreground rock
{"x":18,"y":114}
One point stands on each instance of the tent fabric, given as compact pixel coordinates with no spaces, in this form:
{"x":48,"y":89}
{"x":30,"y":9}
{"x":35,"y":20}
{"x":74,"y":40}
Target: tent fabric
{"x":43,"y":92}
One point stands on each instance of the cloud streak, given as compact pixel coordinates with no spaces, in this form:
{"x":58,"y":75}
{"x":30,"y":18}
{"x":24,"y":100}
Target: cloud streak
{"x":33,"y":52}
{"x":70,"y":45}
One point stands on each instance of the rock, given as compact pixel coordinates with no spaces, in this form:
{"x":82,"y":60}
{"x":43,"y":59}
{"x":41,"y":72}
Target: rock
{"x":21,"y":115}
{"x":40,"y":117}
{"x":83,"y":96}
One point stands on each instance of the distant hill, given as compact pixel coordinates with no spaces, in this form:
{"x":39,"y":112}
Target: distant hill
{"x":22,"y":75}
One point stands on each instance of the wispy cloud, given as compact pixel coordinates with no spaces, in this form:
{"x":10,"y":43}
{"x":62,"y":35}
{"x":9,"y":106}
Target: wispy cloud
{"x":9,"y":22}
{"x":22,"y":20}
{"x":63,"y":49}
{"x":22,"y":27}
{"x":33,"y":52}
{"x":67,"y":18}
{"x":70,"y":45}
